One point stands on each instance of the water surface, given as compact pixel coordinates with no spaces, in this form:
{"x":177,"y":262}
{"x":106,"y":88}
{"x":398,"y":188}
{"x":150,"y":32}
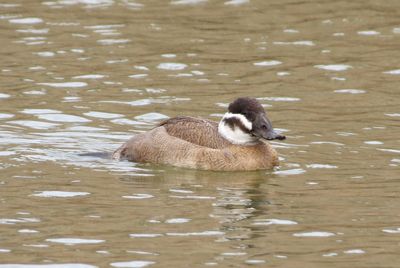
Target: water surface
{"x":84,"y":76}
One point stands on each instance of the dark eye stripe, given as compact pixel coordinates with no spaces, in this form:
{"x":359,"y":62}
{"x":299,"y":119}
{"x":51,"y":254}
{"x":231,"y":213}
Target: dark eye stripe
{"x":233,"y":122}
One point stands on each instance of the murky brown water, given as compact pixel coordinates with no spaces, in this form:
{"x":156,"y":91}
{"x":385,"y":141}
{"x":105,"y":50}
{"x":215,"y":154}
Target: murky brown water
{"x":84,"y":75}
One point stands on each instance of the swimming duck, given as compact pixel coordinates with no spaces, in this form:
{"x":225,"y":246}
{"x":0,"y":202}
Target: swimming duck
{"x":237,"y":142}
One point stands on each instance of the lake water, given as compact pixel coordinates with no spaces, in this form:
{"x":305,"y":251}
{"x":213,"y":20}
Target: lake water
{"x":85,"y":75}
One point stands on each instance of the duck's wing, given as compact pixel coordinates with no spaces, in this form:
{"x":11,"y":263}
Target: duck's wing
{"x":195,"y":130}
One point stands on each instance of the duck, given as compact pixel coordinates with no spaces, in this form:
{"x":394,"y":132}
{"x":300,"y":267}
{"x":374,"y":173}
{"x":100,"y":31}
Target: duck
{"x":238,"y":142}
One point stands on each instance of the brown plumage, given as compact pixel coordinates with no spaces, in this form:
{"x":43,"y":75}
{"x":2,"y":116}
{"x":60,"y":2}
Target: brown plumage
{"x":195,"y":143}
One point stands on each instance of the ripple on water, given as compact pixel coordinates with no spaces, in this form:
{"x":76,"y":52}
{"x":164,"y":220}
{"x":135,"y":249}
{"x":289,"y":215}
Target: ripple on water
{"x":59,"y":194}
{"x":113,"y":41}
{"x":267,"y":63}
{"x":334,"y":67}
{"x":40,"y":111}
{"x":26,"y":21}
{"x":172,"y":66}
{"x":187,"y":2}
{"x":74,"y":241}
{"x":236,"y":2}
{"x":394,"y":72}
{"x":132,"y":264}
{"x":33,"y":124}
{"x":279,"y":99}
{"x":45,"y":54}
{"x":354,"y":251}
{"x":297,"y":43}
{"x":392,"y":231}
{"x":393,"y":115}
{"x":314,"y":234}
{"x":204,"y":233}
{"x":144,"y":235}
{"x":65,"y":84}
{"x":47,"y":265}
{"x":103,"y":115}
{"x":274,"y":221}
{"x":6,"y":116}
{"x":350,"y":91}
{"x":65,"y":118}
{"x":138,"y":196}
{"x":373,"y":142}
{"x":89,"y":76}
{"x":4,"y":96}
{"x":151,"y":117}
{"x":177,"y":220}
{"x":321,"y":166}
{"x":295,"y":171}
{"x":368,"y":32}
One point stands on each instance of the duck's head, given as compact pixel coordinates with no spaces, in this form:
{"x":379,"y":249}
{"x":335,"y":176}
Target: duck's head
{"x":246,"y":122}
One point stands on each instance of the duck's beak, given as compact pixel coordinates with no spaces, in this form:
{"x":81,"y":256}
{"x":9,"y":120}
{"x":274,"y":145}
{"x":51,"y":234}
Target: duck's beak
{"x":262,"y":128}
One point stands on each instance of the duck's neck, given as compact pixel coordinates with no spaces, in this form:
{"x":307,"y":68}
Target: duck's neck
{"x":236,"y":129}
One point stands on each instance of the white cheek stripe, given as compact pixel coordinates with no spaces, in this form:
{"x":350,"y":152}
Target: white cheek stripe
{"x":246,"y":123}
{"x":236,"y":136}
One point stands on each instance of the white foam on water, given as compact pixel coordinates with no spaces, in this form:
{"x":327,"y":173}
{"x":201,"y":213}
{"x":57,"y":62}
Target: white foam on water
{"x":62,"y":194}
{"x":267,"y":63}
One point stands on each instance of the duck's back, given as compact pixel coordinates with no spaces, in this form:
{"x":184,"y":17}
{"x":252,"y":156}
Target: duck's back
{"x":195,"y":130}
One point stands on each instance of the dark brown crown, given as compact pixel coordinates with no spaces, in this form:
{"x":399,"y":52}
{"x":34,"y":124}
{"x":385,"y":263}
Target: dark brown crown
{"x":249,"y":107}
